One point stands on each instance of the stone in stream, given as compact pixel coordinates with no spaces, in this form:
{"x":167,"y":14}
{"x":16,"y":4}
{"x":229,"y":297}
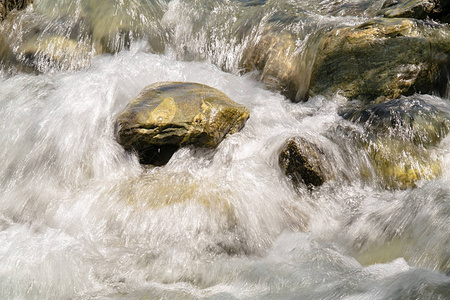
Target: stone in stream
{"x":273,"y":54}
{"x":304,"y":162}
{"x":56,"y":52}
{"x":382,"y":59}
{"x":169,"y":115}
{"x":418,"y":9}
{"x":399,"y":138}
{"x":114,"y":26}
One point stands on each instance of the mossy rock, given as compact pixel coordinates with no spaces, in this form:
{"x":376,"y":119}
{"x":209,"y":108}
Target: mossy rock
{"x":399,"y":165}
{"x":166,"y":116}
{"x":304,"y":162}
{"x":417,"y":9}
{"x":382,"y":59}
{"x":399,"y":138}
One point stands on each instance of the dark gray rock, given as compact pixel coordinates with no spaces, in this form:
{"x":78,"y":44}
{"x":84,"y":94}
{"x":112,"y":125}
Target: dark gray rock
{"x":304,"y":162}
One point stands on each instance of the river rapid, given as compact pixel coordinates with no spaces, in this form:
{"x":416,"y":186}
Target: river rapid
{"x":80,"y":218}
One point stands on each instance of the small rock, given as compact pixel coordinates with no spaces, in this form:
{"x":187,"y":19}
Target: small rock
{"x":304,"y":162}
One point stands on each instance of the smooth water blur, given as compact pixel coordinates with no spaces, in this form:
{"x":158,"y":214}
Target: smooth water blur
{"x":80,"y":218}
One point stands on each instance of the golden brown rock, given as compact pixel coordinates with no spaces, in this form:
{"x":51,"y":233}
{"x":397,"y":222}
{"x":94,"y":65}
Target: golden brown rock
{"x":382,"y":59}
{"x":166,"y":116}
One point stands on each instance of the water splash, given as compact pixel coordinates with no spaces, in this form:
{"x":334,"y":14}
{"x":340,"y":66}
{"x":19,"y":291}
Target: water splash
{"x":81,"y":218}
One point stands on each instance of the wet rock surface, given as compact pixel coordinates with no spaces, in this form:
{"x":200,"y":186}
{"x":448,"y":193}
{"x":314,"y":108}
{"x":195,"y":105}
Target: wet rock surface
{"x":274,"y":55}
{"x":382,"y":59}
{"x":166,"y":116}
{"x":418,"y":9}
{"x":304,"y":162}
{"x":399,"y":137}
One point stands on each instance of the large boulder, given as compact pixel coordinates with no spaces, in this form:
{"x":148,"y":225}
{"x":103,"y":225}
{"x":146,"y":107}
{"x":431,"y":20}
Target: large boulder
{"x":399,"y":137}
{"x":417,"y":9}
{"x":166,"y":116}
{"x":305,"y":162}
{"x":382,"y":59}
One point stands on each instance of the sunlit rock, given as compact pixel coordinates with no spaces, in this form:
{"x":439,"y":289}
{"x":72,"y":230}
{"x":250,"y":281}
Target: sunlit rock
{"x":382,"y":59}
{"x":8,"y":5}
{"x":274,"y":55}
{"x":399,"y":137}
{"x":417,"y":9}
{"x":166,"y":116}
{"x":304,"y":162}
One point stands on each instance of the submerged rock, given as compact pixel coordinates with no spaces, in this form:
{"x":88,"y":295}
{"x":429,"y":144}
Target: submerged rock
{"x":417,"y":9}
{"x":56,"y":52}
{"x":406,"y":119}
{"x":399,"y":138}
{"x":114,"y":25}
{"x":382,"y":59}
{"x":166,"y":116}
{"x":304,"y":162}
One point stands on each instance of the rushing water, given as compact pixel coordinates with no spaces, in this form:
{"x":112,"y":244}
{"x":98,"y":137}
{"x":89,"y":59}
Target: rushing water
{"x":80,"y":218}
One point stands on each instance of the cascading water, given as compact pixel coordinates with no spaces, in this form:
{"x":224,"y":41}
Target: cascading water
{"x":80,"y":218}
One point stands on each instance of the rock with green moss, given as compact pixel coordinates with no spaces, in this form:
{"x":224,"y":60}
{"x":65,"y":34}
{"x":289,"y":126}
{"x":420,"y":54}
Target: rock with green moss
{"x":417,"y":9}
{"x":305,"y":162}
{"x":382,"y":59}
{"x":166,"y":116}
{"x":399,"y":138}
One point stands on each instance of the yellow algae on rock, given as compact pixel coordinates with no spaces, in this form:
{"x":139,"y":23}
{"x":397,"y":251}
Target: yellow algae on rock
{"x":164,"y":112}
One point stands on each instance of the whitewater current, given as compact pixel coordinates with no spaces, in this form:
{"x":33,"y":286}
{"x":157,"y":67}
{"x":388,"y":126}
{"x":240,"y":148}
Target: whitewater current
{"x":80,"y":218}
